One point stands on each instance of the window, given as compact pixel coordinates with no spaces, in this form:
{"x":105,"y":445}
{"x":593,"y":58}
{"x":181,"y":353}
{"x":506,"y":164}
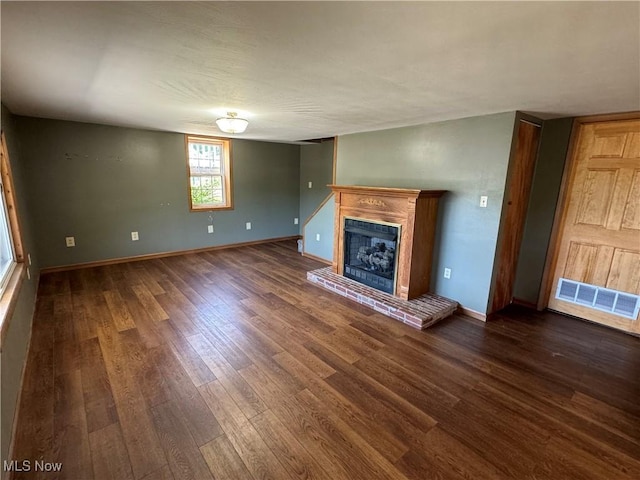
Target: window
{"x":209,"y":163}
{"x":10,"y":244}
{"x":12,"y":267}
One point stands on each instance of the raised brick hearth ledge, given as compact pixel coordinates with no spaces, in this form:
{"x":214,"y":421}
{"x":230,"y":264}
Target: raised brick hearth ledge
{"x":421,"y":312}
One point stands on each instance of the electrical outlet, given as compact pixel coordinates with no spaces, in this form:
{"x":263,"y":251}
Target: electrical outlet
{"x":134,"y":236}
{"x":483,"y":201}
{"x":210,"y":228}
{"x":447,"y":273}
{"x":248,"y":225}
{"x":295,"y":221}
{"x":71,"y":241}
{"x":317,"y":237}
{"x":310,"y":184}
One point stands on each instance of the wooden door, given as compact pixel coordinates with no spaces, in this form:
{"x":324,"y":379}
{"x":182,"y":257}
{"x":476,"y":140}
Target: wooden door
{"x":512,"y":226}
{"x":598,"y":251}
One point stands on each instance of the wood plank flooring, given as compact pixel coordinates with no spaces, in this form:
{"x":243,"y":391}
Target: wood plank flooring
{"x":230,"y":365}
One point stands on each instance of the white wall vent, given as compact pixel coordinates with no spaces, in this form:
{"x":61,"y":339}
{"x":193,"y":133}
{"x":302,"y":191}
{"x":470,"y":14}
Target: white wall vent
{"x":600,"y":298}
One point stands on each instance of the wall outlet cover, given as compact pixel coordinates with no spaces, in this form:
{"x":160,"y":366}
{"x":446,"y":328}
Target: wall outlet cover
{"x":248,"y":225}
{"x":210,"y":228}
{"x":447,"y":273}
{"x":70,"y":241}
{"x":317,"y":237}
{"x":310,"y":184}
{"x":295,"y":221}
{"x":483,"y":201}
{"x":134,"y":236}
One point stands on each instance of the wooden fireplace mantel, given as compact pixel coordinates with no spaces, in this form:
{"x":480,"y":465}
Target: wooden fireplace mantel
{"x":414,"y":210}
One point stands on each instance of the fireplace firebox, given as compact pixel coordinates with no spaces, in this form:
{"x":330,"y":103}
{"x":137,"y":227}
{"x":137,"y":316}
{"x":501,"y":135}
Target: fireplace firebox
{"x":370,"y":253}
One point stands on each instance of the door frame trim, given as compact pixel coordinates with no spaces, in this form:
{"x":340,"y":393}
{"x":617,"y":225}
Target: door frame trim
{"x":560,"y":213}
{"x":500,"y":260}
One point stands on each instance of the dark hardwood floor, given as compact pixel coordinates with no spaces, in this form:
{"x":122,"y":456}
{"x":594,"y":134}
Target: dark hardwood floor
{"x":230,"y":365}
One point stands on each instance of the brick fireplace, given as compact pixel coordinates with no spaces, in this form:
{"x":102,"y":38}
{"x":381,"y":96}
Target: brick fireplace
{"x":384,"y":237}
{"x":383,"y":248}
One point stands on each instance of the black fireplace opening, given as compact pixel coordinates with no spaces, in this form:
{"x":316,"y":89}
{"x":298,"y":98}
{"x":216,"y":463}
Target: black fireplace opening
{"x":370,"y":253}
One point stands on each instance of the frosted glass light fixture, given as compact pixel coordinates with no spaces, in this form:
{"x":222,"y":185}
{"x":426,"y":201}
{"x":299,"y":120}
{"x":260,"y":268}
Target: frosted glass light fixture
{"x":231,"y":123}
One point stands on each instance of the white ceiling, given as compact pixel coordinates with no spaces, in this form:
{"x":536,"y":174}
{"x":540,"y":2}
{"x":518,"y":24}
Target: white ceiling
{"x":300,"y":70}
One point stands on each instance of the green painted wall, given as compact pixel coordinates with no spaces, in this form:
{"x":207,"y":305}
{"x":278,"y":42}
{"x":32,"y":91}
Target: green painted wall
{"x":14,"y":348}
{"x":467,"y":157}
{"x":99,"y":183}
{"x":552,"y":152}
{"x":321,"y":224}
{"x":316,"y":166}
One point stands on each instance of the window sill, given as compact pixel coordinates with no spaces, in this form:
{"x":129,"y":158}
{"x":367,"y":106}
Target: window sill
{"x":9,"y":299}
{"x":210,"y":208}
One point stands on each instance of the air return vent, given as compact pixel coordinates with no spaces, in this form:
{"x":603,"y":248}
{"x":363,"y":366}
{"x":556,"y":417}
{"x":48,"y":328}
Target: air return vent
{"x":599,"y":298}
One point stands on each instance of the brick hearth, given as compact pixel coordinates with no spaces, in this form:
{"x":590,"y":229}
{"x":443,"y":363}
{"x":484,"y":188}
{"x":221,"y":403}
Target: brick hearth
{"x":421,"y":312}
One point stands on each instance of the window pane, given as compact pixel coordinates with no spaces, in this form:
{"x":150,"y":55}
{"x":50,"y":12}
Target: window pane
{"x":207,"y":190}
{"x":206,"y":182}
{"x":205,"y":158}
{"x":217,"y":196}
{"x":6,"y":252}
{"x":6,"y":249}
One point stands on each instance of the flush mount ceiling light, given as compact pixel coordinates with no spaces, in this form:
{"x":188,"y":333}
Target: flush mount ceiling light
{"x":231,"y":123}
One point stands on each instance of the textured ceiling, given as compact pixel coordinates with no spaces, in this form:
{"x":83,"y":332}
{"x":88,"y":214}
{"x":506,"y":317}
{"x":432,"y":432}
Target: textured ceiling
{"x":300,"y":70}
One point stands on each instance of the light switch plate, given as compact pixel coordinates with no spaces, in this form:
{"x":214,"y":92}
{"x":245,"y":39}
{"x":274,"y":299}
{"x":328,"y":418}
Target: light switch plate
{"x":483,"y":201}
